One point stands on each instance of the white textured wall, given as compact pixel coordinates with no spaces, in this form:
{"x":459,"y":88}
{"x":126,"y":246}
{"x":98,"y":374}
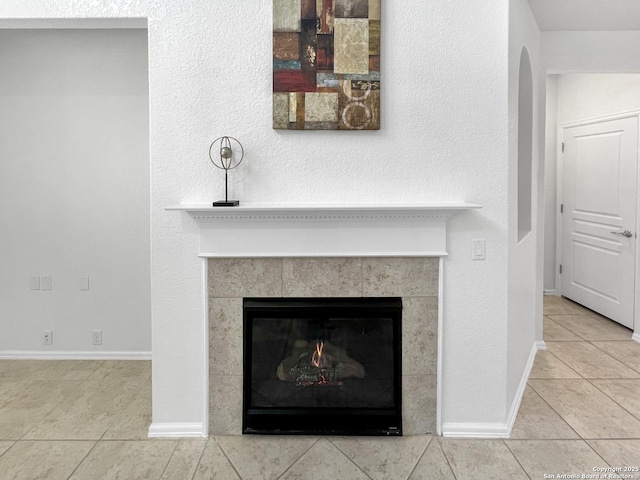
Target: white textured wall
{"x":444,"y":136}
{"x":525,"y":295}
{"x":74,"y":190}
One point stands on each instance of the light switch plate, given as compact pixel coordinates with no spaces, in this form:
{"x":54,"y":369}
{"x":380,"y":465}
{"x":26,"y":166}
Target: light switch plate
{"x":478,"y":250}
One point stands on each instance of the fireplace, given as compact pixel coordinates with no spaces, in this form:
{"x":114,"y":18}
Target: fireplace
{"x":321,"y":250}
{"x":322,"y":366}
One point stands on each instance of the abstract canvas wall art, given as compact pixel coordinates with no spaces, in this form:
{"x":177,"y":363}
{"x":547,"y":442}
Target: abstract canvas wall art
{"x":326,"y":64}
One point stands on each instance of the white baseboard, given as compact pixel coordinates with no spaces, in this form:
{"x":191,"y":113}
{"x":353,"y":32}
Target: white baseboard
{"x":177,"y":430}
{"x":553,"y":292}
{"x":496,"y":430}
{"x":88,"y":355}
{"x":517,"y":399}
{"x":475,"y":430}
{"x":636,"y":337}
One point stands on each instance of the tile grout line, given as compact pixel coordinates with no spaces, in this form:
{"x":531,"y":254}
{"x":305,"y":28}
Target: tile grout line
{"x":206,"y":444}
{"x":350,"y":459}
{"x":82,"y":461}
{"x":611,"y":398}
{"x":563,"y":362}
{"x":420,"y":458}
{"x":446,"y":457}
{"x":170,"y":457}
{"x":596,"y":452}
{"x":213,"y":439}
{"x":554,"y":411}
{"x":516,"y":459}
{"x":616,"y":359}
{"x":12,"y":445}
{"x":296,"y":460}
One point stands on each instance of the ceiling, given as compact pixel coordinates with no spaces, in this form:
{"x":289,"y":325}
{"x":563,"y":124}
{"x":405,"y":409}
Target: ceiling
{"x":587,"y":14}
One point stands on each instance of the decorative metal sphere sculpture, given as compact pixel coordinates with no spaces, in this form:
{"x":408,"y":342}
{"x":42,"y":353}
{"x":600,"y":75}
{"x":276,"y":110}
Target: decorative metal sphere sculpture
{"x":222,"y":156}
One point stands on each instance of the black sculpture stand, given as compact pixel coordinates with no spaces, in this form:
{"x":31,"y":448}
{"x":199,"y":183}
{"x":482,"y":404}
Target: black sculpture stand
{"x":226,"y":202}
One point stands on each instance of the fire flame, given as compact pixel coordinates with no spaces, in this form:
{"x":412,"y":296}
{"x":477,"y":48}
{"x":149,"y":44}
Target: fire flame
{"x":316,"y":358}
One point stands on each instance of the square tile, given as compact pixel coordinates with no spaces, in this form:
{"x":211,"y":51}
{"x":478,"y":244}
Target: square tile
{"x":590,"y":327}
{"x":589,"y":361}
{"x":5,"y":445}
{"x":133,"y":422}
{"x":627,"y":352}
{"x":384,"y":458}
{"x":400,"y":276}
{"x":24,"y":404}
{"x":225,"y":336}
{"x":185,"y":459}
{"x":418,"y":404}
{"x":123,"y":372}
{"x":55,"y":460}
{"x":264,"y":457}
{"x":20,"y":368}
{"x":126,"y":459}
{"x":225,"y":404}
{"x":324,"y":460}
{"x":537,"y":420}
{"x":554,"y":332}
{"x":433,"y":464}
{"x":214,"y":464}
{"x":552,"y":457}
{"x":626,"y":393}
{"x":476,"y":459}
{"x":618,"y":453}
{"x":245,"y":277}
{"x":87,"y":413}
{"x":322,"y":277}
{"x":586,"y":409}
{"x":419,"y":335}
{"x":66,"y":370}
{"x":547,"y":365}
{"x":563,"y":306}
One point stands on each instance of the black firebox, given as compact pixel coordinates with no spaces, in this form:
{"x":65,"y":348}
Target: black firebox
{"x":322,"y":366}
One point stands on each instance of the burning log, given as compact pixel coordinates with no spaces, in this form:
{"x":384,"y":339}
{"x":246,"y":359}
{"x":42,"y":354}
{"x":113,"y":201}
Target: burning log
{"x":318,"y":363}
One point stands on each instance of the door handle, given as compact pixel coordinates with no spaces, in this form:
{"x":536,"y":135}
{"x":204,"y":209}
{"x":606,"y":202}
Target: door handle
{"x":626,"y":233}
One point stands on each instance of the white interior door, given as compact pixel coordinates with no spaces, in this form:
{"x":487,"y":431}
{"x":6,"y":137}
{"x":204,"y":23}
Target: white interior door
{"x":599,"y":216}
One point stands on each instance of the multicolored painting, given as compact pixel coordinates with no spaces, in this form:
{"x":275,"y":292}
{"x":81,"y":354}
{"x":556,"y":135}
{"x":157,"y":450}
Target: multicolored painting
{"x":326,"y":64}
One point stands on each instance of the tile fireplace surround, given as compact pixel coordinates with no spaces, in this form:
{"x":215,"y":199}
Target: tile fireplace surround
{"x":413,"y":279}
{"x":355,"y":250}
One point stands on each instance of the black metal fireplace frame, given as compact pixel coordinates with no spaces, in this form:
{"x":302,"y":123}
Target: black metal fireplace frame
{"x":319,"y":421}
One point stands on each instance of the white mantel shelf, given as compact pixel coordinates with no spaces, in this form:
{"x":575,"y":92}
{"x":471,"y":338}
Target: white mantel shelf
{"x":323,"y":229}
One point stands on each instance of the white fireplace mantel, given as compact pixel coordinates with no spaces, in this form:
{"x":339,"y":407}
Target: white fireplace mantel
{"x":299,"y":230}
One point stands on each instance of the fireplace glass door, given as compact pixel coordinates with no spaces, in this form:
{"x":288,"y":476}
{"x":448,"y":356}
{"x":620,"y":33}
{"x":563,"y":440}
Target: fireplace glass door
{"x":322,"y":366}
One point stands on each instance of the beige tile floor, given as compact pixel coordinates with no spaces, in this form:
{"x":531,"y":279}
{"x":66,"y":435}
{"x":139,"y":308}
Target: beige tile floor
{"x":88,"y":420}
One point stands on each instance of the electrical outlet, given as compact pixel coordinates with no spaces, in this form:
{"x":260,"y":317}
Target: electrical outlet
{"x":34,"y":283}
{"x":45,"y":282}
{"x":47,"y":337}
{"x":96,"y":337}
